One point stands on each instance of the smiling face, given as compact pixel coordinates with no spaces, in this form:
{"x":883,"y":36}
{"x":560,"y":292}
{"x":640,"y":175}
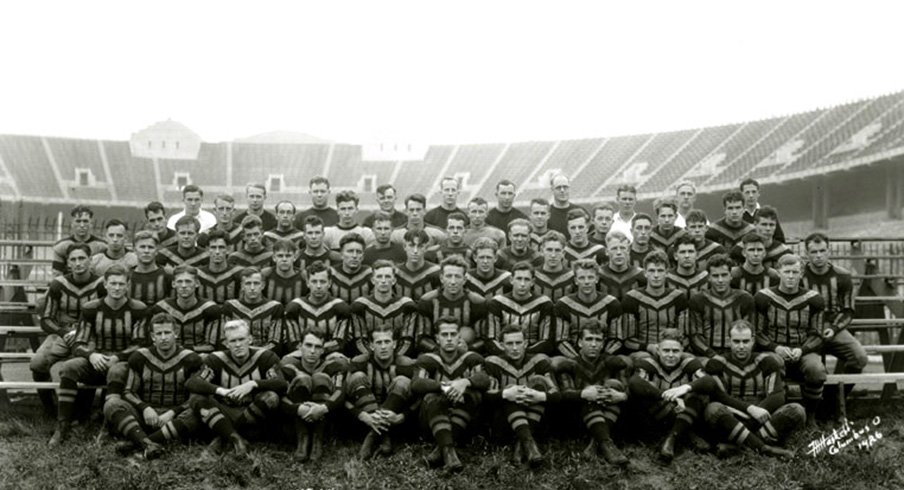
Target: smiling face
{"x":670,"y":353}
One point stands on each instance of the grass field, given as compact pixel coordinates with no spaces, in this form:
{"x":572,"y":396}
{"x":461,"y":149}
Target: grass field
{"x":87,"y":460}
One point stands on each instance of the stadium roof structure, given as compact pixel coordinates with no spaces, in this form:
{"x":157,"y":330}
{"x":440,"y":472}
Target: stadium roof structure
{"x":774,"y":150}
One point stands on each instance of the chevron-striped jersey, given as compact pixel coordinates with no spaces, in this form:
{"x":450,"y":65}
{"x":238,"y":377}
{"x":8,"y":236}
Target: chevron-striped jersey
{"x":265,"y":319}
{"x":283,"y":289}
{"x":259,"y":258}
{"x":645,"y":316}
{"x":652,"y":371}
{"x":332,"y":316}
{"x":792,"y":320}
{"x":160,"y":382}
{"x":380,"y":376}
{"x":498,"y":283}
{"x":174,"y":256}
{"x":836,"y":287}
{"x":349,"y":286}
{"x":553,"y":285}
{"x":415,"y":284}
{"x":222,"y":370}
{"x":591,"y":250}
{"x":107,"y":330}
{"x":572,"y":314}
{"x":335,"y":367}
{"x":711,"y":317}
{"x":64,"y":301}
{"x":726,"y":235}
{"x":578,"y":373}
{"x":533,"y":314}
{"x":96,"y":244}
{"x":197,"y":326}
{"x":219,"y":286}
{"x":431,"y":371}
{"x":399,"y":314}
{"x":690,"y":284}
{"x":504,"y":373}
{"x":752,"y":380}
{"x":664,"y":240}
{"x":150,"y":287}
{"x":743,"y":279}
{"x":618,"y":283}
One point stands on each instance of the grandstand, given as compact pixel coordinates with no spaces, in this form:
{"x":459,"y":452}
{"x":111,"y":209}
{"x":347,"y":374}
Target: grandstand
{"x":861,"y":140}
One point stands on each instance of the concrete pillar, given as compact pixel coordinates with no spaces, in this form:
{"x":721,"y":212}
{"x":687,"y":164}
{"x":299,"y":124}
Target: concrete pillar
{"x":820,"y":200}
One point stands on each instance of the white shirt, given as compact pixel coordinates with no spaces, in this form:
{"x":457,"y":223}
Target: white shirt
{"x":621,"y":225}
{"x":206,"y":218}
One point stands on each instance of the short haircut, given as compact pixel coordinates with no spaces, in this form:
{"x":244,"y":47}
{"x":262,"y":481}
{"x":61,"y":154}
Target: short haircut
{"x":319,"y":180}
{"x":695,"y":216}
{"x":625,"y":188}
{"x":255,"y":185}
{"x":616,"y":235}
{"x":311,"y":221}
{"x":540,"y":201}
{"x":383,"y":328}
{"x":248,"y":272}
{"x":719,"y":260}
{"x":185,"y":269}
{"x":576,"y":213}
{"x":686,"y":183}
{"x":81,"y":209}
{"x":284,"y":245}
{"x":752,"y":237}
{"x":684,"y":240}
{"x":555,"y":175}
{"x":117,"y":270}
{"x":816,"y":237}
{"x":585,"y":265}
{"x":381,"y":189}
{"x":419,"y":198}
{"x":478,"y":201}
{"x":352,"y":238}
{"x":666,"y":202}
{"x":453,"y":261}
{"x":115,"y":222}
{"x":316,"y":267}
{"x":639,"y":216}
{"x":732,"y":196}
{"x":504,"y":182}
{"x":224,"y":197}
{"x":382,"y":216}
{"x":315,"y":330}
{"x":484,"y":242}
{"x":447,"y":320}
{"x":154,"y":207}
{"x":235,"y":325}
{"x":656,"y":257}
{"x":251,"y":222}
{"x":510,"y":329}
{"x":553,"y":236}
{"x":449,"y":179}
{"x":347,"y":196}
{"x":670,"y":334}
{"x":187,"y":220}
{"x":418,"y":237}
{"x":748,"y":181}
{"x":518,"y":222}
{"x":522,"y":266}
{"x":78,"y":246}
{"x":192,"y":188}
{"x":767,"y":212}
{"x":457,"y":216}
{"x":603,"y":206}
{"x":741,"y":325}
{"x":591,"y":327}
{"x":145,"y":235}
{"x":161,"y":318}
{"x":280,"y":203}
{"x":213,"y":235}
{"x":383,"y":263}
{"x":788,"y":259}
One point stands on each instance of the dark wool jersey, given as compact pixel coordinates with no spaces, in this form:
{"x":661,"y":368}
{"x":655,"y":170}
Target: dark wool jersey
{"x":558,"y":217}
{"x":663,"y":240}
{"x":109,"y":331}
{"x":533,"y":314}
{"x":743,"y":279}
{"x":268,"y":219}
{"x":706,"y":250}
{"x":332,"y":316}
{"x":651,"y":370}
{"x":469,"y":309}
{"x":325,"y":256}
{"x":578,"y":373}
{"x":97,"y":245}
{"x":197,"y":326}
{"x":394,"y":253}
{"x":711,"y":317}
{"x":233,"y":237}
{"x":431,"y":371}
{"x":221,"y":370}
{"x":589,"y":251}
{"x":836,"y":287}
{"x":439,"y":216}
{"x":792,"y":320}
{"x":64,"y":300}
{"x":150,"y":287}
{"x":398,"y":219}
{"x":488,"y":287}
{"x":619,"y":283}
{"x":752,"y":380}
{"x":349,"y":286}
{"x":159,"y":382}
{"x":166,"y":239}
{"x":773,"y":252}
{"x":779,"y":234}
{"x":501,"y":220}
{"x":645,"y":316}
{"x":506,"y":258}
{"x":335,"y":367}
{"x":689,"y":284}
{"x":572,"y":314}
{"x":219,"y":286}
{"x":446,"y":249}
{"x":247,"y":258}
{"x":415,"y":284}
{"x":293,"y":234}
{"x":380,"y":376}
{"x":329,"y":216}
{"x":536,"y":239}
{"x":636,"y":258}
{"x":553,"y":285}
{"x":504,"y":373}
{"x":726,"y":235}
{"x":173,"y":256}
{"x":265,"y":319}
{"x":283,"y":289}
{"x":399,"y":314}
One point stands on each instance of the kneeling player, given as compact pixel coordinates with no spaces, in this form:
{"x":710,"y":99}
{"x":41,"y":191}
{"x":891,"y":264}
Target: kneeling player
{"x":523,"y":384}
{"x":155,"y":399}
{"x":748,"y":397}
{"x":591,"y":377}
{"x":315,"y":390}
{"x":379,"y":389}
{"x":237,"y":388}
{"x":667,"y":369}
{"x":451,"y":382}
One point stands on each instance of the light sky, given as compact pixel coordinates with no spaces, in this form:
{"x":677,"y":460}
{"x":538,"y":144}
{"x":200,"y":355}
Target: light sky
{"x":435,"y":72}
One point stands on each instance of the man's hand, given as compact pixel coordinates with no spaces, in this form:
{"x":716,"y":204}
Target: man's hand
{"x":512,"y":393}
{"x":150,"y":417}
{"x":166,"y":417}
{"x":759,"y":414}
{"x":530,"y":396}
{"x":796,"y":353}
{"x":672,"y":394}
{"x":457,"y":390}
{"x":98,"y":361}
{"x":591,"y":393}
{"x":611,"y":396}
{"x":372,"y":420}
{"x":317,"y":412}
{"x":784,"y":352}
{"x":242,"y":390}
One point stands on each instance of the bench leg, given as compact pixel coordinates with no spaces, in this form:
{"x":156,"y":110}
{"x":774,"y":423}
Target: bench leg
{"x":4,"y":397}
{"x":842,"y":405}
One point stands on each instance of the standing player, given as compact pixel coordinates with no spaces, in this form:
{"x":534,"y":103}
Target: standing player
{"x":715,"y":309}
{"x":315,"y":391}
{"x":186,"y":251}
{"x":150,"y":282}
{"x":192,"y":196}
{"x":523,"y":308}
{"x":451,"y":382}
{"x":539,"y":221}
{"x":414,"y":208}
{"x":224,"y":209}
{"x":579,"y":244}
{"x":647,"y":312}
{"x":641,"y":227}
{"x":665,"y":234}
{"x":450,"y":300}
{"x":554,"y":279}
{"x":789,"y":323}
{"x":314,"y":250}
{"x":765,"y":223}
{"x":486,"y":280}
{"x":155,"y":221}
{"x":197,"y":320}
{"x":504,"y":212}
{"x":587,"y":305}
{"x":729,"y":230}
{"x":351,"y":278}
{"x":263,"y":316}
{"x":619,"y":275}
{"x":285,"y":226}
{"x":750,"y":188}
{"x":318,"y":310}
{"x":255,"y":196}
{"x":238,"y":388}
{"x":116,"y":253}
{"x":561,"y":204}
{"x":437,"y":216}
{"x":379,"y":390}
{"x":602,"y":215}
{"x":386,"y":198}
{"x":81,"y":224}
{"x":383,"y":248}
{"x":686,"y":195}
{"x":282,"y":282}
{"x":479,"y":228}
{"x":521,"y":385}
{"x":347,"y":207}
{"x":252,"y":252}
{"x":696,"y":226}
{"x":752,"y":275}
{"x":383,"y":310}
{"x":686,"y":276}
{"x":454,"y":243}
{"x":155,"y":399}
{"x":110,"y":329}
{"x":218,"y":280}
{"x":319,"y":189}
{"x":623,"y":221}
{"x":63,"y":303}
{"x":416,"y":277}
{"x":519,"y":248}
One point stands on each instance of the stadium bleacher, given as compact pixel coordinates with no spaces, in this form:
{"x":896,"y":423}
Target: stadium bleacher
{"x":516,"y":165}
{"x":29,"y":166}
{"x":472,"y":162}
{"x":738,"y":157}
{"x":418,"y":177}
{"x":130,"y":174}
{"x":706,"y":143}
{"x":605,"y":162}
{"x":659,"y":152}
{"x":254,"y":162}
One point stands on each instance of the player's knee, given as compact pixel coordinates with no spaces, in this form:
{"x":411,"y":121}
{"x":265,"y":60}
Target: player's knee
{"x":118,"y":373}
{"x":539,"y":383}
{"x":267,"y":398}
{"x":713,"y":411}
{"x":355,"y":381}
{"x":400,"y":385}
{"x":321,"y":382}
{"x":200,"y":403}
{"x":614,"y":384}
{"x":112,"y":406}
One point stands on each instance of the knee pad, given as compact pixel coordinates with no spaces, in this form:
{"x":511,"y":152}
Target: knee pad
{"x":321,"y":382}
{"x":400,"y":384}
{"x":268,"y":398}
{"x":713,"y":411}
{"x":118,"y":372}
{"x":199,"y":402}
{"x":355,"y":381}
{"x":539,"y":383}
{"x":112,"y":406}
{"x":614,"y":384}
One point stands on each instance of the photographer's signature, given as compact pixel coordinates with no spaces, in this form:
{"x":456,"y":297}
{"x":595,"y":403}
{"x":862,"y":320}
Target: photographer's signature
{"x":848,"y":435}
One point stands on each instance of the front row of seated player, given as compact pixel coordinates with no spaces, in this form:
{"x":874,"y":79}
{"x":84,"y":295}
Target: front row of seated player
{"x":736,"y":399}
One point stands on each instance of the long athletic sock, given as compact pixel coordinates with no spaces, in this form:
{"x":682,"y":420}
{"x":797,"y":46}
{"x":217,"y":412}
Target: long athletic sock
{"x":66,"y":395}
